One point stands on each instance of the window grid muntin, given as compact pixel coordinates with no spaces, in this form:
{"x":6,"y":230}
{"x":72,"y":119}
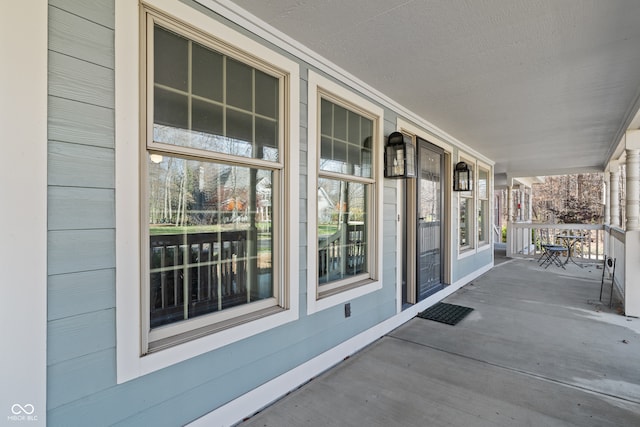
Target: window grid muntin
{"x":467,"y":198}
{"x":229,"y":256}
{"x":195,"y":37}
{"x":332,"y":287}
{"x":177,"y":333}
{"x":323,"y":136}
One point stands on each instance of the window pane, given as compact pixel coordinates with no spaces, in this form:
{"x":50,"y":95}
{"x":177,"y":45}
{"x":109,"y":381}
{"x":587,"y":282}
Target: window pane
{"x":339,"y":122}
{"x":189,"y":103}
{"x":466,"y":212}
{"x":266,"y":95}
{"x":207,"y":73}
{"x":266,"y":135}
{"x":353,"y":135}
{"x":206,"y":117}
{"x":350,"y":135}
{"x":210,"y":237}
{"x":170,"y":59}
{"x":239,"y":126}
{"x":326,"y":119}
{"x":483,"y":221}
{"x":342,"y":230}
{"x":170,"y":108}
{"x":483,"y":179}
{"x":239,"y":85}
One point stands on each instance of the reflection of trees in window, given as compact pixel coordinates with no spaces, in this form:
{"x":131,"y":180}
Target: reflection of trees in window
{"x":192,"y":193}
{"x":344,"y":182}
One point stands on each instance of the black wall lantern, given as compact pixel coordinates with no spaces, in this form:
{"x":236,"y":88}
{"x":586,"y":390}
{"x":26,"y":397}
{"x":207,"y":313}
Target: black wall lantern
{"x":399,"y":157}
{"x":462,"y":179}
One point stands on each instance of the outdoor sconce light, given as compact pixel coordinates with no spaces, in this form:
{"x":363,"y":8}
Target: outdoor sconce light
{"x":399,"y":157}
{"x":462,"y":177}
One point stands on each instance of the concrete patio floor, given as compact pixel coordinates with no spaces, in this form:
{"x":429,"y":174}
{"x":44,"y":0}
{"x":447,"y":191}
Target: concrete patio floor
{"x":539,"y":349}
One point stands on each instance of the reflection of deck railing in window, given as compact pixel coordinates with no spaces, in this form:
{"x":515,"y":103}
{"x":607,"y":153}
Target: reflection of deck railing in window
{"x":208,"y":270}
{"x":337,"y":258}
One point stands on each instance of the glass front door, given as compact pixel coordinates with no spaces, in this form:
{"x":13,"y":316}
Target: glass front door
{"x":429,"y":245}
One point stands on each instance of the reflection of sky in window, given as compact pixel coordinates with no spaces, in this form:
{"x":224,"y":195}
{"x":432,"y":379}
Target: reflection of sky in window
{"x":482,"y":184}
{"x":210,"y":142}
{"x":337,"y":166}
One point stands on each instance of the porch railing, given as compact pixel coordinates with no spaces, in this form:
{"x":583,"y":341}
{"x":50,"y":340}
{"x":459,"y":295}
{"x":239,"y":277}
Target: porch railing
{"x":343,"y":252}
{"x":199,"y":273}
{"x":526,"y":239}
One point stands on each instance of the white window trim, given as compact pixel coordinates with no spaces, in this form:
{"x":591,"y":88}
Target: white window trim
{"x":472,"y":248}
{"x":485,"y":244}
{"x":130,"y":364}
{"x":478,"y":246}
{"x":316,"y":83}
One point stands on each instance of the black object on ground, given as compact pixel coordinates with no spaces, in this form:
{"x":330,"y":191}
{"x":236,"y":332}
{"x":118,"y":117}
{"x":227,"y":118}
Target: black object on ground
{"x":445,"y":313}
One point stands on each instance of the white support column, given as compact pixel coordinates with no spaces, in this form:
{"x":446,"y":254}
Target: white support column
{"x":632,"y":232}
{"x":606,"y":202}
{"x":510,"y":220}
{"x":607,"y":198}
{"x":633,"y":189}
{"x":615,"y":194}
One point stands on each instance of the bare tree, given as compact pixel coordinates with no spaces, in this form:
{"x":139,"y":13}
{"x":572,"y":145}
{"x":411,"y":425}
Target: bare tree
{"x":569,"y":199}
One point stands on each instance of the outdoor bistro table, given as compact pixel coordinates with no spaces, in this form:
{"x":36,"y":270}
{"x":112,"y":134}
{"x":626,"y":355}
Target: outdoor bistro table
{"x":570,"y":241}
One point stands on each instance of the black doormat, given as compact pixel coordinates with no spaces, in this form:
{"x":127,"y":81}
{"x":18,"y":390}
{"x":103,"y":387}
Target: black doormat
{"x":445,"y":313}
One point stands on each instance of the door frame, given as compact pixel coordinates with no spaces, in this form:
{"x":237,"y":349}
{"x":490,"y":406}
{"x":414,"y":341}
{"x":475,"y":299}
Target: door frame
{"x":407,"y":220}
{"x":416,"y":196}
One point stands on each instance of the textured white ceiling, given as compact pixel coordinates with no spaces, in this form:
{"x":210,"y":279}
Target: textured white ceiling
{"x":539,"y":86}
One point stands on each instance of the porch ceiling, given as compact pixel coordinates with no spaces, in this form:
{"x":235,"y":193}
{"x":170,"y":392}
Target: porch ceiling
{"x":539,"y":86}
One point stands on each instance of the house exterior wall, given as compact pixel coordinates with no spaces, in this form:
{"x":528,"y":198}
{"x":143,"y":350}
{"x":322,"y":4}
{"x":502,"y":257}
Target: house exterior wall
{"x":82,"y":377}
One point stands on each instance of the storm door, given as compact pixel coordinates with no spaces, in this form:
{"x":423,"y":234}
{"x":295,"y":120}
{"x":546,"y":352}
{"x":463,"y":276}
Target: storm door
{"x":429,"y":236}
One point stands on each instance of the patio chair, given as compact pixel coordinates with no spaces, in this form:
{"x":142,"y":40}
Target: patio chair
{"x":551,"y":255}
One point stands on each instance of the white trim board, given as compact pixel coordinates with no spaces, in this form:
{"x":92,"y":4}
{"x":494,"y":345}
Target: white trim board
{"x":23,"y":167}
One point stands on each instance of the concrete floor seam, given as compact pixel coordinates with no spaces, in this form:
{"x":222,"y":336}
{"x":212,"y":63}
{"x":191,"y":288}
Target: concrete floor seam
{"x":522,"y":372}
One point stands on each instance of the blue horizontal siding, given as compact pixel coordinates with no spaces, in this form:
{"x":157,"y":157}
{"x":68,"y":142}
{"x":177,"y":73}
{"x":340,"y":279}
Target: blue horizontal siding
{"x":79,"y":38}
{"x":80,"y":123}
{"x":80,"y":208}
{"x":101,"y":12}
{"x":88,"y":374}
{"x":73,"y":78}
{"x":80,"y":335}
{"x":75,"y":165}
{"x":81,"y":259}
{"x":81,"y":250}
{"x":72,"y":294}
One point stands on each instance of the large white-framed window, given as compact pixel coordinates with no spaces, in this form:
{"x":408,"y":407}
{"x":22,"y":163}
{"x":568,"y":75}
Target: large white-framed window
{"x":466,"y":213}
{"x":345,"y":195}
{"x":207,"y":198}
{"x":483,"y":190}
